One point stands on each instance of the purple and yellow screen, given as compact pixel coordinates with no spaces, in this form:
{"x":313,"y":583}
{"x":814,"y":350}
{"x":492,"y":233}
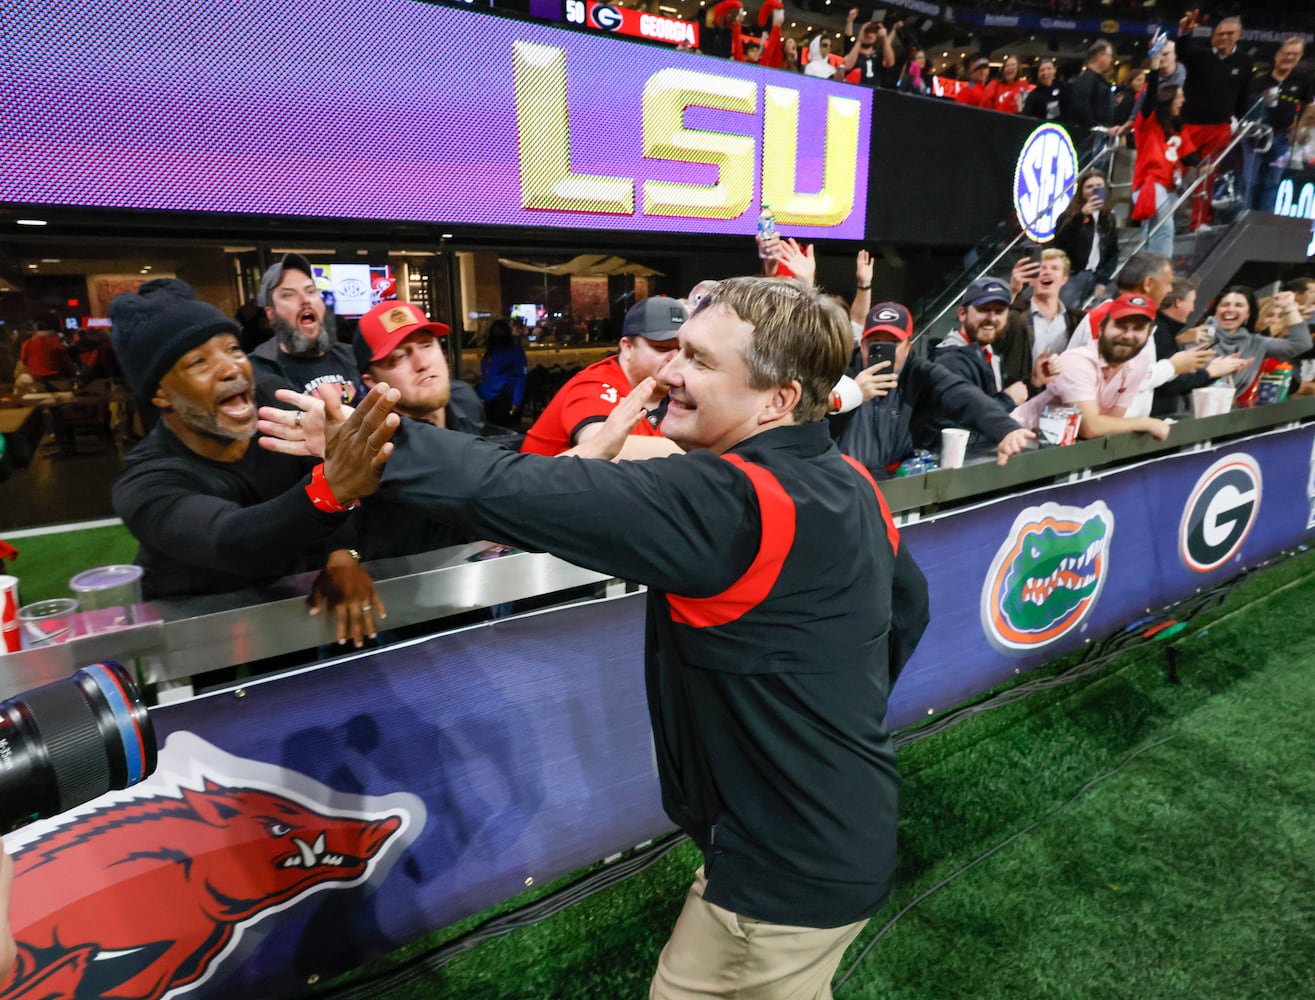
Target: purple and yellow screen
{"x":396,"y":110}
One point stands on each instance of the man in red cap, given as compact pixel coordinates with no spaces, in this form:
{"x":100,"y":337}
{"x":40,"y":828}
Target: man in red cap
{"x":1101,"y":379}
{"x":398,"y":344}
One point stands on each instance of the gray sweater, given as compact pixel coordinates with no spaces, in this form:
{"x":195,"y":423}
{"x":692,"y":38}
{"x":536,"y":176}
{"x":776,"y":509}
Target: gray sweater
{"x":1255,"y":347}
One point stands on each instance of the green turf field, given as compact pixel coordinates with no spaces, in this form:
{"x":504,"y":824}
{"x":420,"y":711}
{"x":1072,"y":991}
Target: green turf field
{"x":46,"y":563}
{"x":1149,"y":839}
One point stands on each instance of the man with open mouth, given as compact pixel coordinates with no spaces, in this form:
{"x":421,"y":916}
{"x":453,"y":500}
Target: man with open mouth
{"x":213,"y":513}
{"x":304,"y":351}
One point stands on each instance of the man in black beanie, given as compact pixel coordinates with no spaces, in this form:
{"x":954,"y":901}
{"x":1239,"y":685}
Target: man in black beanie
{"x":211,"y":512}
{"x":304,"y":352}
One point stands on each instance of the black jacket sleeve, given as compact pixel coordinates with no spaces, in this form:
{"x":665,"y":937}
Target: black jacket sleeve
{"x":960,"y":361}
{"x":701,"y":527}
{"x":163,"y":510}
{"x":962,"y":404}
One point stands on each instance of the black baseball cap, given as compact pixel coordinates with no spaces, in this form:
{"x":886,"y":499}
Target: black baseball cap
{"x":657,"y":317}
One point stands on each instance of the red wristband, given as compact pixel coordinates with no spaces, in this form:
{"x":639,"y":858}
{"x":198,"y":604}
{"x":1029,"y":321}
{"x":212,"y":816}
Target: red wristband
{"x":322,"y":496}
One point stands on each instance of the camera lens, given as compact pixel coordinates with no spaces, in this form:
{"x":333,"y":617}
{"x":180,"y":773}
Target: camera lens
{"x":68,"y":742}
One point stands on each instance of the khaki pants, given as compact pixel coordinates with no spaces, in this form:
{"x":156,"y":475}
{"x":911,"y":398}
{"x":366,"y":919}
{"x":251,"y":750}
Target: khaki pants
{"x":714,"y":953}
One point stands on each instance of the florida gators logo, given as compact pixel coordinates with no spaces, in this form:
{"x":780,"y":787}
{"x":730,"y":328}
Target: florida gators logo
{"x":1046,"y":577}
{"x":144,"y":894}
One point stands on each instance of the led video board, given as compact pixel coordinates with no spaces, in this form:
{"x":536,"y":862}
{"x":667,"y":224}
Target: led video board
{"x":399,"y":110}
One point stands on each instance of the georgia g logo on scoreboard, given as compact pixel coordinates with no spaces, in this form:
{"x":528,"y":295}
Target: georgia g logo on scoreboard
{"x":1219,"y":513}
{"x":605,"y":17}
{"x":1045,"y":181}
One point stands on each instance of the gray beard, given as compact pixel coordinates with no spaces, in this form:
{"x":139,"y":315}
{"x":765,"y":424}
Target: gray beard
{"x":199,"y":419}
{"x":293,"y":342}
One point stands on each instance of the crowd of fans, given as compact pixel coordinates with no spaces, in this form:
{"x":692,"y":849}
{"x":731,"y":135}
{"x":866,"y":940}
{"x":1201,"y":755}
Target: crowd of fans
{"x":1177,"y":105}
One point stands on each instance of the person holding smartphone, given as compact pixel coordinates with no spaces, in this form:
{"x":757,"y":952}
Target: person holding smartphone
{"x":913,"y":400}
{"x":1088,"y":235}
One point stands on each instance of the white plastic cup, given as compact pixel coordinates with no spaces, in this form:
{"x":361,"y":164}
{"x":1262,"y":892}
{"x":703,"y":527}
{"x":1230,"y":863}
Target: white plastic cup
{"x":1223,"y":398}
{"x":1211,"y":400}
{"x":954,"y":445}
{"x":107,"y":595}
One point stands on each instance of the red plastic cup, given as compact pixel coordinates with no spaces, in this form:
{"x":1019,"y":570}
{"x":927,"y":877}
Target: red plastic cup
{"x":9,"y":634}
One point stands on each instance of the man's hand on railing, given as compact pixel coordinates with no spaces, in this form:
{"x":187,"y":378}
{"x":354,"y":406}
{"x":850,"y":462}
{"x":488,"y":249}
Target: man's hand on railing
{"x":346,"y":588}
{"x":1011,"y":444}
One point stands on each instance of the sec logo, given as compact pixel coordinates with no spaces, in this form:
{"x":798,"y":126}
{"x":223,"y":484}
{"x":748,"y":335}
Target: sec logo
{"x":1045,"y":179}
{"x":1219,"y":513}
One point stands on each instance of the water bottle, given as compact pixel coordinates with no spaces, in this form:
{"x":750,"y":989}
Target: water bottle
{"x":766,"y":229}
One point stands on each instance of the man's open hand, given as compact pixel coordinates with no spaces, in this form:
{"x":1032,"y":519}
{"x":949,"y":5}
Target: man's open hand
{"x":356,"y":454}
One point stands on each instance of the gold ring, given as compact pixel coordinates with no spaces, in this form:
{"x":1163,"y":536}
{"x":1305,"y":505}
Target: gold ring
{"x":298,"y":424}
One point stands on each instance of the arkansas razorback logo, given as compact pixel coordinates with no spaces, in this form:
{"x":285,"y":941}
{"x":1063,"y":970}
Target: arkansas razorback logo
{"x":144,"y":897}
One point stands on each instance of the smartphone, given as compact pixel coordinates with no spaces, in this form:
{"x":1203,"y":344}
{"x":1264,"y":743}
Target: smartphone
{"x":1099,"y":192}
{"x":881,"y":350}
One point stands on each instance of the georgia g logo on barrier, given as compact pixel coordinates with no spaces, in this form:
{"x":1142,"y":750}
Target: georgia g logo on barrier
{"x":1046,"y":577}
{"x":1219,"y":513}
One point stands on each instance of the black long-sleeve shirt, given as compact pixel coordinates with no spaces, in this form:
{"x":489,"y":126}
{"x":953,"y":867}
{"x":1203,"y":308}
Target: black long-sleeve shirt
{"x":768,"y":725}
{"x":206,"y":527}
{"x":1216,"y":88}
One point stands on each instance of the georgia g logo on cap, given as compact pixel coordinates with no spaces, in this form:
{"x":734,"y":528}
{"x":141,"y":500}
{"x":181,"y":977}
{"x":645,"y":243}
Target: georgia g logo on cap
{"x":1139,"y":302}
{"x":887,"y":316}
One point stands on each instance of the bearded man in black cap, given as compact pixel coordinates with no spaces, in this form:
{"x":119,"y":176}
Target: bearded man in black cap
{"x":304,"y":352}
{"x":211,"y":512}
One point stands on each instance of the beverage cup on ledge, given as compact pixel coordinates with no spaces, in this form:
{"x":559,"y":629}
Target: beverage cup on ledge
{"x":48,"y":623}
{"x":954,"y":445}
{"x":108,"y":595}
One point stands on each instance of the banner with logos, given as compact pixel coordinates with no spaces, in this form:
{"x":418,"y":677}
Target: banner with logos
{"x":401,"y":110}
{"x":631,"y":22}
{"x":301,"y":825}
